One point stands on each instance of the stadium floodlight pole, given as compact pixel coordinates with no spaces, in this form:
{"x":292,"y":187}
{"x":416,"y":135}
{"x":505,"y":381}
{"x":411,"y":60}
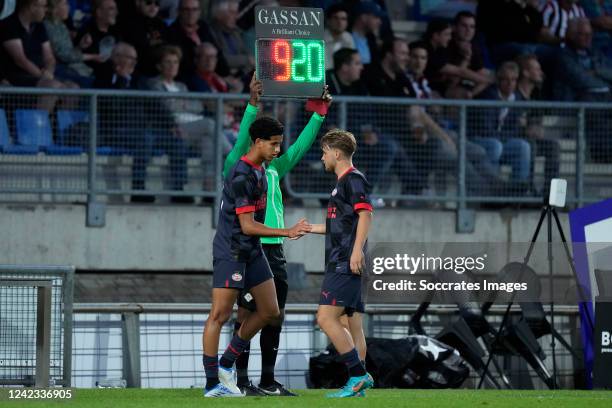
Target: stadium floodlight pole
{"x":556,"y":199}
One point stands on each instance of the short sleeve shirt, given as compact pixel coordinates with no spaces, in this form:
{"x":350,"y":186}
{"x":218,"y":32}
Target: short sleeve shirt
{"x":244,"y":191}
{"x":32,"y":41}
{"x":351,"y":195}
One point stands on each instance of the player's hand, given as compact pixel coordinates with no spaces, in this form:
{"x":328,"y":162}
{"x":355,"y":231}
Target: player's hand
{"x":256,"y":90}
{"x":357,"y":262}
{"x":321,"y":105}
{"x":301,"y":228}
{"x":326,"y":97}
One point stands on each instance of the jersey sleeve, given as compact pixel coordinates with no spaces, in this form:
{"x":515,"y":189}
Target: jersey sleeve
{"x":298,"y":149}
{"x":359,"y":194}
{"x":242,"y":189}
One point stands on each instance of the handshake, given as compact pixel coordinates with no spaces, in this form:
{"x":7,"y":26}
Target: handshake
{"x":301,"y":228}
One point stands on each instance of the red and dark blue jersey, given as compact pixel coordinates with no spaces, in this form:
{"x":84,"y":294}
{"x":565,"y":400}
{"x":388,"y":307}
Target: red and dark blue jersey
{"x":244,"y":191}
{"x":351,"y":195}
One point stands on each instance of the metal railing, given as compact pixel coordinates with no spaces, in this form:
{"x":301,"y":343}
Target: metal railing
{"x":12,"y":337}
{"x":86,"y":147}
{"x":165,"y":346}
{"x":36,"y":325}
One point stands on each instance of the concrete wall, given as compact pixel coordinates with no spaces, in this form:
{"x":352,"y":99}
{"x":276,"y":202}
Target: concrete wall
{"x":166,"y":238}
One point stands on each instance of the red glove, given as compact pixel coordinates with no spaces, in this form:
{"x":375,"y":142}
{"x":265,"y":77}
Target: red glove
{"x":317,"y":105}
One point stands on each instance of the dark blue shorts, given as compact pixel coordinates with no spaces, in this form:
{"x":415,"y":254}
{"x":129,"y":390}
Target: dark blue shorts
{"x":342,"y":288}
{"x":278,"y":264}
{"x":241,"y":275}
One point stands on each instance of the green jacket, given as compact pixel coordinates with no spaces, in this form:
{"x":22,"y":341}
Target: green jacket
{"x":277,"y":168}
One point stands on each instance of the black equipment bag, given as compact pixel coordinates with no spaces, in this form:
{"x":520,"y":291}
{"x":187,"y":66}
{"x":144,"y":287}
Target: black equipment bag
{"x":413,"y":362}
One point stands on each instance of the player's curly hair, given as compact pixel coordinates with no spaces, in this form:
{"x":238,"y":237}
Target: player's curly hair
{"x":265,"y":127}
{"x":342,"y":140}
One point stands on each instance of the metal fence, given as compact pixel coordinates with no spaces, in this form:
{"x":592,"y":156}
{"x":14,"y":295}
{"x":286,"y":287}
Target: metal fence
{"x":168,"y":346}
{"x":108,"y":146}
{"x":22,"y":322}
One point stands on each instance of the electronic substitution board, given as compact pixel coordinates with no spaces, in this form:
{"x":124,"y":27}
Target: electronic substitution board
{"x":290,"y":51}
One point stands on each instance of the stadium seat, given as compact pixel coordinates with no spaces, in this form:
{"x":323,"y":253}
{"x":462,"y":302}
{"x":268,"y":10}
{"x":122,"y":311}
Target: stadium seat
{"x":66,"y":119}
{"x":4,"y":131}
{"x":5,"y":139}
{"x":34,"y":129}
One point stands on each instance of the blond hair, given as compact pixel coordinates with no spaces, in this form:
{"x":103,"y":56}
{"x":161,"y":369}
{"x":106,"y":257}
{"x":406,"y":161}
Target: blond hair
{"x":342,"y":140}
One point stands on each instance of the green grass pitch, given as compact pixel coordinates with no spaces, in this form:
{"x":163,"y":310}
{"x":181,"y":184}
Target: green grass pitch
{"x":187,"y":398}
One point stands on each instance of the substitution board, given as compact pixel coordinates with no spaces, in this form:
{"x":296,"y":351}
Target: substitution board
{"x":290,"y":51}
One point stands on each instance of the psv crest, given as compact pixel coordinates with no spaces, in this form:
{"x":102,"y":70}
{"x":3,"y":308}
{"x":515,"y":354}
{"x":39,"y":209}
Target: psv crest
{"x":236,"y":277}
{"x":334,"y":192}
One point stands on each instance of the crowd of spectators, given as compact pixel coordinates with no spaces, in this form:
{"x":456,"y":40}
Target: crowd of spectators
{"x":507,"y":50}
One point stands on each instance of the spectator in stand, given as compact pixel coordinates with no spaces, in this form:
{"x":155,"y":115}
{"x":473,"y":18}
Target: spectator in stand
{"x":515,"y":27}
{"x":584,"y":74}
{"x":228,"y":37}
{"x":386,"y":77}
{"x":390,"y":78}
{"x":498,"y":129}
{"x":145,"y":31}
{"x":189,"y":31}
{"x":380,"y":154}
{"x":336,"y":37}
{"x":125,"y":123}
{"x":446,"y":78}
{"x":346,"y":79}
{"x":530,"y":82}
{"x":557,"y":13}
{"x":464,"y":53}
{"x":600,"y":14}
{"x":187,"y":115}
{"x":581,"y":72}
{"x":480,"y":173}
{"x":27,"y":56}
{"x":418,"y":58}
{"x":100,"y":34}
{"x":30,"y":59}
{"x":70,"y":60}
{"x":365,"y":30}
{"x":206,"y":78}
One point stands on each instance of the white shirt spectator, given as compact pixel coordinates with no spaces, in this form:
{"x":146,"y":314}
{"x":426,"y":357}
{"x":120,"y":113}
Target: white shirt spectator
{"x":334,"y":44}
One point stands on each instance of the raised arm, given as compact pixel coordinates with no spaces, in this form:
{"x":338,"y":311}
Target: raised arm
{"x":298,"y":149}
{"x":244,"y":139}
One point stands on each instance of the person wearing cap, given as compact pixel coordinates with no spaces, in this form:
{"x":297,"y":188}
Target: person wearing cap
{"x":366,"y":27}
{"x":145,"y":31}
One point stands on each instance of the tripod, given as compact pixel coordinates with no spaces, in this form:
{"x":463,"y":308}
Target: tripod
{"x":547,"y":212}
